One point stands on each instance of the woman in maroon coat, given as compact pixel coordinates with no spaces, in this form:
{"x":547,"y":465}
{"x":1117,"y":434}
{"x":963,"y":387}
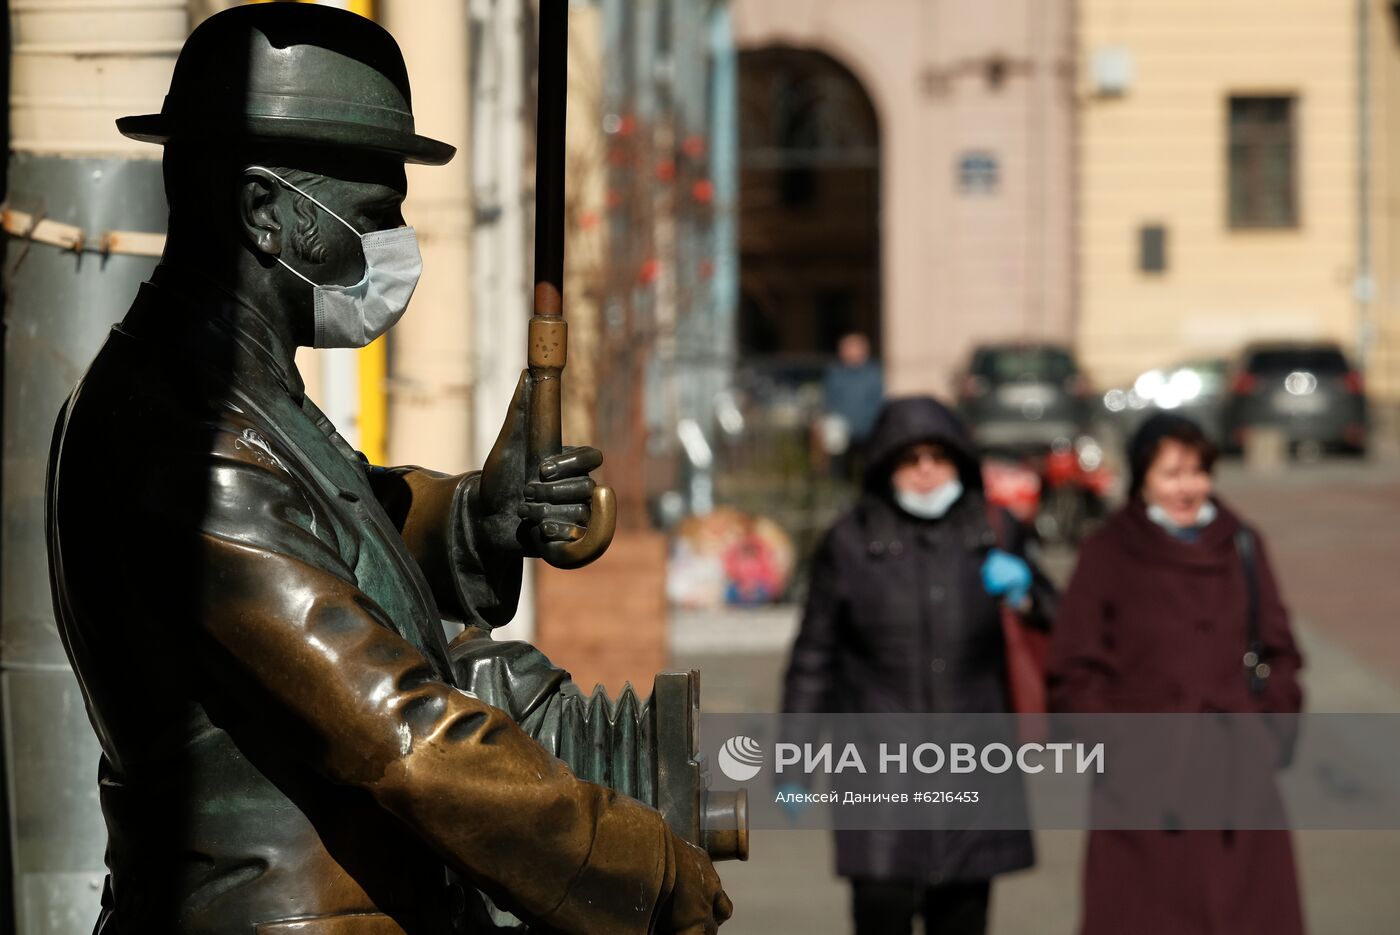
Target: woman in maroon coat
{"x":1155,"y":620}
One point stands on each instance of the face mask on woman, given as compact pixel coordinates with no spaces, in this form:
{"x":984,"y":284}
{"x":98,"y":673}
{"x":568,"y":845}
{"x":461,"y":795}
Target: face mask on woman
{"x":930,"y":505}
{"x":1204,"y":517}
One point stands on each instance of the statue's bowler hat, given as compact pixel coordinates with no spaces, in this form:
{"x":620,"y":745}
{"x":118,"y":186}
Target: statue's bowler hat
{"x":294,"y":73}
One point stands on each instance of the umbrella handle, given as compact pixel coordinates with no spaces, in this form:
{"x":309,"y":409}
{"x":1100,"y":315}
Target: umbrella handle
{"x":602,"y":523}
{"x":548,"y":353}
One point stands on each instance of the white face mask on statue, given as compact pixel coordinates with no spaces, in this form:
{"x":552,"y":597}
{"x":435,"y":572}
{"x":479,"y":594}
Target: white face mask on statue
{"x":931,"y":505}
{"x":353,"y":316}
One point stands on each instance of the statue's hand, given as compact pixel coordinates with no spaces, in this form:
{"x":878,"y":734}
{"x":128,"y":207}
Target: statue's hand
{"x":558,"y":503}
{"x":514,"y":508}
{"x":699,"y":905}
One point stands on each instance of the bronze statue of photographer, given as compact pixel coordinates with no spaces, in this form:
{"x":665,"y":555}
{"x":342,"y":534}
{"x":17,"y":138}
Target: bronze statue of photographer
{"x":255,"y":612}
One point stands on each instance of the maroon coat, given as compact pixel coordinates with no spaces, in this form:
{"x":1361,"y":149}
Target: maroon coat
{"x":1151,"y":623}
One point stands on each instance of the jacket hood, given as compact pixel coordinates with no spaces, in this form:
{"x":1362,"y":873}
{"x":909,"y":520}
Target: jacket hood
{"x":909,"y":420}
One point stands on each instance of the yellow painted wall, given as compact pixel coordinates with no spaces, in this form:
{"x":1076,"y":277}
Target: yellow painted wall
{"x":1157,"y":154}
{"x":373,"y":360}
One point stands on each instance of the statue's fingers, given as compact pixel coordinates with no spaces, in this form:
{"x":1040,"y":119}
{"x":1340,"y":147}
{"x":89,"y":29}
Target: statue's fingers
{"x":568,"y":490}
{"x":554,"y":531}
{"x":571,"y":462}
{"x":555,"y":512}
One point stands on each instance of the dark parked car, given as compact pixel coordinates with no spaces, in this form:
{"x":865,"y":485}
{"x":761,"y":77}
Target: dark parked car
{"x":1023,"y":398}
{"x":1309,"y":390}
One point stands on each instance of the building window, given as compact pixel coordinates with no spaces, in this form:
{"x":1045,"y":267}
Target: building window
{"x":1263,"y":162}
{"x":978,"y":173}
{"x":1152,"y":248}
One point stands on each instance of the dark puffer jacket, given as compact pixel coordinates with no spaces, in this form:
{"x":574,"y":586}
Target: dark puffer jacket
{"x":897,"y":621}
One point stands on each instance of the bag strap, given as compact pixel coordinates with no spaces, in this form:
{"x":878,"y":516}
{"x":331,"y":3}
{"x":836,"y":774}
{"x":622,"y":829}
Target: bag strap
{"x":1256,"y":669}
{"x":996,"y":519}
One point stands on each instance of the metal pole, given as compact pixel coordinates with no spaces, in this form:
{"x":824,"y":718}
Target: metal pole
{"x":1364,"y":286}
{"x":75,"y":67}
{"x":552,"y":98}
{"x":548,"y":335}
{"x":724,"y":170}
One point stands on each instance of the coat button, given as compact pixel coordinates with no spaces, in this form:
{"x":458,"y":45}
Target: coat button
{"x":938,"y":664}
{"x":936,"y":593}
{"x":896,"y":547}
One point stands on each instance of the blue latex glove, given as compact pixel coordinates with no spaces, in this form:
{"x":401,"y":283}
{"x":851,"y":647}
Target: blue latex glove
{"x":793,"y":810}
{"x":1005,"y":575}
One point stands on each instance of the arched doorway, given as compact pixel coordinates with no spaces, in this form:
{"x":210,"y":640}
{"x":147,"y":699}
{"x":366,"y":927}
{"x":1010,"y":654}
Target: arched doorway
{"x":809,"y":240}
{"x":809,"y":269}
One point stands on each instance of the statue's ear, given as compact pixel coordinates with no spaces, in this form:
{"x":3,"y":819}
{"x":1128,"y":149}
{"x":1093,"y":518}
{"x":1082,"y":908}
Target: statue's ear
{"x":258,"y":213}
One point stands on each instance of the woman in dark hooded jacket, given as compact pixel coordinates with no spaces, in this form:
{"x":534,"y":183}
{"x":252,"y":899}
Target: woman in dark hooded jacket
{"x":904,"y":616}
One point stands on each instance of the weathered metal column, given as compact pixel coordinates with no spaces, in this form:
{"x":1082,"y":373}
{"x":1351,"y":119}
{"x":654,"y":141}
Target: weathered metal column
{"x":83,"y":206}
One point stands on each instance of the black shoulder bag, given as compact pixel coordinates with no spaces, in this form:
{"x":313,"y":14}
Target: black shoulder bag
{"x":1255,"y":667}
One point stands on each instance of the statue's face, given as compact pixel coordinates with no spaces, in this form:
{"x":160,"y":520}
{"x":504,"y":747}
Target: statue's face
{"x":281,"y":225}
{"x":368,"y":197}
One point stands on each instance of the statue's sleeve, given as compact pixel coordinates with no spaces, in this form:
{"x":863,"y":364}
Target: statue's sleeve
{"x":277,"y":626}
{"x":431,"y":511}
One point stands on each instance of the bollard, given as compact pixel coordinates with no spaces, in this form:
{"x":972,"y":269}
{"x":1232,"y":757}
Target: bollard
{"x":1265,"y":449}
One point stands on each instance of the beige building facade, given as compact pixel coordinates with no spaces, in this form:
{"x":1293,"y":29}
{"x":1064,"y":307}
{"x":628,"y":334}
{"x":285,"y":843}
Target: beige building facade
{"x":974,"y":106}
{"x":1235,"y":181}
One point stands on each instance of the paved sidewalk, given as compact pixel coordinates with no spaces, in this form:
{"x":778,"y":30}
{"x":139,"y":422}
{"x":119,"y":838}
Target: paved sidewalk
{"x":1333,"y":533}
{"x":788,"y":886}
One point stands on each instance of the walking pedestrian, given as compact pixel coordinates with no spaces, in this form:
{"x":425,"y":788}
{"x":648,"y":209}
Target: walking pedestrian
{"x":1157,"y":619}
{"x":904,"y":615}
{"x":853,"y":390}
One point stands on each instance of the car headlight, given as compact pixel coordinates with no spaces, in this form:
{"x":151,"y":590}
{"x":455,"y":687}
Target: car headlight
{"x":1090,"y":453}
